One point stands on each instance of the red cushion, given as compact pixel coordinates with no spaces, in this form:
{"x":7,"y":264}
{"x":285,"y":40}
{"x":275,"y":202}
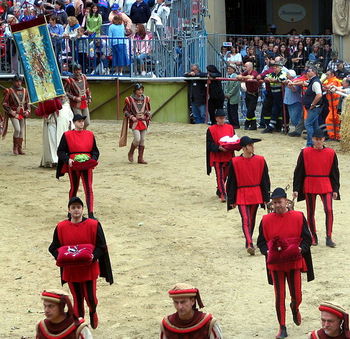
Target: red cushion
{"x":83,"y":166}
{"x":283,"y":250}
{"x":75,"y":255}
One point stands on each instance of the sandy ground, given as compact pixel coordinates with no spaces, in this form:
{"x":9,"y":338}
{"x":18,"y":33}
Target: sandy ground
{"x":163,"y":224}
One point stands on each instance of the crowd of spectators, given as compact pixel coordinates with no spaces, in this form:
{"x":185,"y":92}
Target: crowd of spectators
{"x":102,"y":35}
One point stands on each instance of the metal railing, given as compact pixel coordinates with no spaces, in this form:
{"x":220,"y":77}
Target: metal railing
{"x":98,"y":56}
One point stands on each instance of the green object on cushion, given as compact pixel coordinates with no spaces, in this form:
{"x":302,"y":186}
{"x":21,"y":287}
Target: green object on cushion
{"x":81,"y":157}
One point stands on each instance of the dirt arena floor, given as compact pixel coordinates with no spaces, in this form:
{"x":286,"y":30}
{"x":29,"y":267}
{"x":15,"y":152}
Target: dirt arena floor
{"x":163,"y":225}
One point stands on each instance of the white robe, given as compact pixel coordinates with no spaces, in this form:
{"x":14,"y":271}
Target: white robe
{"x":53,"y":128}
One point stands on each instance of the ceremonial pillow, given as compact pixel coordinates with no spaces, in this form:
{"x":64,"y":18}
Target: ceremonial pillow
{"x":75,"y":255}
{"x":83,"y":166}
{"x":230,"y":143}
{"x":283,"y":250}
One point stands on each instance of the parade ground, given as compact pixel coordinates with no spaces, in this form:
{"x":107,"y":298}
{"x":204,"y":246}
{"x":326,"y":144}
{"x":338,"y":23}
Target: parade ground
{"x":163,"y":224}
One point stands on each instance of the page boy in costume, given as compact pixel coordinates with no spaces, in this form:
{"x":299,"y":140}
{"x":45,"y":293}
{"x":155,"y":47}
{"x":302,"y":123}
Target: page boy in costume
{"x":335,"y":323}
{"x":82,"y":278}
{"x":285,"y":240}
{"x":317,"y":173}
{"x":78,"y":92}
{"x":17,"y":109}
{"x":58,"y":323}
{"x":248,"y":186}
{"x":137,"y":110}
{"x":218,"y":156}
{"x":76,"y":142}
{"x":188,"y":322}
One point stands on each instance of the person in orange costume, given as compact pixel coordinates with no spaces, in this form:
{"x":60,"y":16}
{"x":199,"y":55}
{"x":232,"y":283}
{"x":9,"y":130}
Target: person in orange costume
{"x":332,"y":119}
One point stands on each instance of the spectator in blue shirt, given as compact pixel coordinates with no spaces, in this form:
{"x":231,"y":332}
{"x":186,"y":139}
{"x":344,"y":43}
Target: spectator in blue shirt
{"x":56,"y":32}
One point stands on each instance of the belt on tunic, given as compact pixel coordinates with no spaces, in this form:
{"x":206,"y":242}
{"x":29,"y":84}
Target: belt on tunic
{"x":315,"y":175}
{"x":248,"y":186}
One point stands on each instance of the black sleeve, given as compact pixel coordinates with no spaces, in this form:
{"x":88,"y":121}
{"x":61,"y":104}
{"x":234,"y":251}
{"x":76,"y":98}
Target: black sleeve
{"x":100,"y":246}
{"x":299,"y":174}
{"x":202,"y":74}
{"x":62,"y":150}
{"x":95,"y":153}
{"x":214,"y":75}
{"x":55,"y":245}
{"x":266,"y":184}
{"x":261,"y":242}
{"x":148,"y":12}
{"x":211,"y":145}
{"x":231,"y":187}
{"x":334,"y":176}
{"x":306,"y":238}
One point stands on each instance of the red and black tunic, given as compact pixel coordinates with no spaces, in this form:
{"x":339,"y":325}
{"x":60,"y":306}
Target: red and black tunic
{"x":78,"y":88}
{"x":89,"y":231}
{"x":316,"y":172}
{"x":286,"y":226}
{"x":196,"y":328}
{"x":72,"y":143}
{"x":248,"y":181}
{"x":69,"y":328}
{"x":214,"y":134}
{"x":320,"y":334}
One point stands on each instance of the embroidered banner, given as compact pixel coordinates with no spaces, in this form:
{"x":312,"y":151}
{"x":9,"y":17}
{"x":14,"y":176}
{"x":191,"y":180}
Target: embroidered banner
{"x":38,"y":60}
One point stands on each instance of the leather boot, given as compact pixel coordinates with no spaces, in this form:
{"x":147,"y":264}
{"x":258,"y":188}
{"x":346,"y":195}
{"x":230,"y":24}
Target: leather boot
{"x":246,"y":124}
{"x":19,"y":146}
{"x":253,"y":125}
{"x":140,"y":159}
{"x":131,"y":152}
{"x":15,"y":146}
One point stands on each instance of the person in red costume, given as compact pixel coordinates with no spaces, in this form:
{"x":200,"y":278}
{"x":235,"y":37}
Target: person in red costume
{"x":285,"y":240}
{"x":17,"y":109}
{"x":335,"y":323}
{"x":82,"y":279}
{"x":247,"y":187}
{"x":218,"y":156}
{"x":73,"y":143}
{"x":58,"y":323}
{"x":317,"y":173}
{"x":79,"y":94}
{"x":137,"y":111}
{"x":187,"y":322}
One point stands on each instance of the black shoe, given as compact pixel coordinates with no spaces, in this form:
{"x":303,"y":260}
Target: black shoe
{"x":294,"y":134}
{"x":246,"y":125}
{"x":282,"y":333}
{"x":329,"y":242}
{"x":262,"y":126}
{"x":267,"y":130}
{"x":253,"y":126}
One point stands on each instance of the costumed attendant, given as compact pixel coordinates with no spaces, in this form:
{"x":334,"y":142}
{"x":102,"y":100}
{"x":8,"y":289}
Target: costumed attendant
{"x":335,"y":323}
{"x":217,"y":155}
{"x":187,"y":321}
{"x":285,"y":240}
{"x":58,"y":323}
{"x":17,"y":109}
{"x":317,"y":173}
{"x":77,"y":155}
{"x":137,"y":111}
{"x":247,"y":187}
{"x":57,"y":119}
{"x":80,"y":249}
{"x":78,"y":92}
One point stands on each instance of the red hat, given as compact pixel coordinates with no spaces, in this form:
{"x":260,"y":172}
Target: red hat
{"x":59,"y":297}
{"x":183,"y":290}
{"x":339,"y":312}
